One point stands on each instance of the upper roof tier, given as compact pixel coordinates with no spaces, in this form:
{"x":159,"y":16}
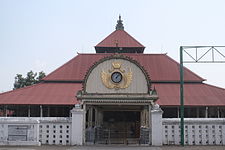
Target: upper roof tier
{"x":160,"y":67}
{"x":119,"y":41}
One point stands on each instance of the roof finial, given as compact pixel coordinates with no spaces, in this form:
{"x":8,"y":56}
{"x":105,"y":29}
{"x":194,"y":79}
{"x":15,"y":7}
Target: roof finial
{"x":119,"y":25}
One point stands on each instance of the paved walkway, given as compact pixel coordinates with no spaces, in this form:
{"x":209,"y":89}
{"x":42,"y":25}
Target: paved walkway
{"x":111,"y":148}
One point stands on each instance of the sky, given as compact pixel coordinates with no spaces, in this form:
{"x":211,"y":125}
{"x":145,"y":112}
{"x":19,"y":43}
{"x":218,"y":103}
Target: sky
{"x":43,"y":35}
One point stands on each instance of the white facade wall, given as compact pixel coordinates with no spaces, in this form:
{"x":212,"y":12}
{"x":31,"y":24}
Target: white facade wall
{"x":138,"y":85}
{"x":197,"y":131}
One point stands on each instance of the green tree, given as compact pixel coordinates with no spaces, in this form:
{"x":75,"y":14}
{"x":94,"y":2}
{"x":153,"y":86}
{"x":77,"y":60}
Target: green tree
{"x":30,"y":79}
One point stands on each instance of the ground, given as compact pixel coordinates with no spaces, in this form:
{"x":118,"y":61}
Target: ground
{"x":117,"y":147}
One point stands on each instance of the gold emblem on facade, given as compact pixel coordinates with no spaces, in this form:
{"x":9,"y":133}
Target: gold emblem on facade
{"x":116,"y":77}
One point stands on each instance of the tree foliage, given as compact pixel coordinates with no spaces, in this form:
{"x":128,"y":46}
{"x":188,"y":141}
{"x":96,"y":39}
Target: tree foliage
{"x":30,"y":79}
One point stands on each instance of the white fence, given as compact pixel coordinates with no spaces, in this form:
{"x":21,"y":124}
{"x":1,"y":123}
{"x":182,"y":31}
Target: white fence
{"x":55,"y":131}
{"x":197,"y":131}
{"x":35,"y":131}
{"x":24,"y":130}
{"x":58,"y":131}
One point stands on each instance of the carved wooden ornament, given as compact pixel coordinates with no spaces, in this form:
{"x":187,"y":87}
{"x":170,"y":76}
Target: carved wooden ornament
{"x":117,"y":78}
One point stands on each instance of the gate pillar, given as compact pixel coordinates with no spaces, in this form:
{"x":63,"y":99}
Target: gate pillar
{"x":156,"y":124}
{"x":77,"y":126}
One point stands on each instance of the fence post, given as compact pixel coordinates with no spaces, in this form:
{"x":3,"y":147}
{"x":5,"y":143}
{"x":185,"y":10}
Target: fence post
{"x":156,"y":119}
{"x":77,"y":126}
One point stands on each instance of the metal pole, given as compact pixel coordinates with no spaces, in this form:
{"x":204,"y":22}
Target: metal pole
{"x":181,"y":97}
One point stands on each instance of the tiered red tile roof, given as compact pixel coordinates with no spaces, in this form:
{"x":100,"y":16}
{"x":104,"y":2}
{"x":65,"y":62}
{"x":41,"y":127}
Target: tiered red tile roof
{"x":60,"y":86}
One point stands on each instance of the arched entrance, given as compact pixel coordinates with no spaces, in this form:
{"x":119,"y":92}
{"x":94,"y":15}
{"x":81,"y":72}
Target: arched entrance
{"x":123,"y":124}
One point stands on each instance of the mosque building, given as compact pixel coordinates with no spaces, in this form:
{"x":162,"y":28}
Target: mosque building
{"x":117,"y":87}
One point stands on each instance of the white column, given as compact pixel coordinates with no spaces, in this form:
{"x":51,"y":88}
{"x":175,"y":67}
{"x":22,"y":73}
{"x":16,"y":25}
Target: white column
{"x":90,"y":117}
{"x":206,"y":112}
{"x":96,"y":116}
{"x":150,"y":123}
{"x":100,"y":117}
{"x":156,"y":118}
{"x":41,"y":111}
{"x":5,"y":110}
{"x":48,"y":111}
{"x":29,"y":111}
{"x":77,"y":126}
{"x":218,"y":112}
{"x":198,"y":112}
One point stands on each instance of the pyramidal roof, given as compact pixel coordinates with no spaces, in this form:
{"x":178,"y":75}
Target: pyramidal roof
{"x":60,"y":86}
{"x":119,"y":38}
{"x":119,"y":41}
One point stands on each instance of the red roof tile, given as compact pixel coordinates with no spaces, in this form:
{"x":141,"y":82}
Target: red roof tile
{"x":64,"y":94}
{"x":119,"y":38}
{"x":160,"y":67}
{"x":194,"y":95}
{"x":44,"y":94}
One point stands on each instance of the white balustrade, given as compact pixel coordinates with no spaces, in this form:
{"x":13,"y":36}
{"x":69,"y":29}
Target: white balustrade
{"x":35,"y":130}
{"x":55,"y":131}
{"x":197,"y":131}
{"x":58,"y":131}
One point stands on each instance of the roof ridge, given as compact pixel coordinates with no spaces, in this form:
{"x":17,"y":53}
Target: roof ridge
{"x":60,"y":67}
{"x":23,"y":88}
{"x":123,"y":53}
{"x":214,"y":86}
{"x":133,"y":38}
{"x":188,"y":70}
{"x":105,"y":38}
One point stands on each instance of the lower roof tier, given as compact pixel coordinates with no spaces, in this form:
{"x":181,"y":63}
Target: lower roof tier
{"x":197,"y":94}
